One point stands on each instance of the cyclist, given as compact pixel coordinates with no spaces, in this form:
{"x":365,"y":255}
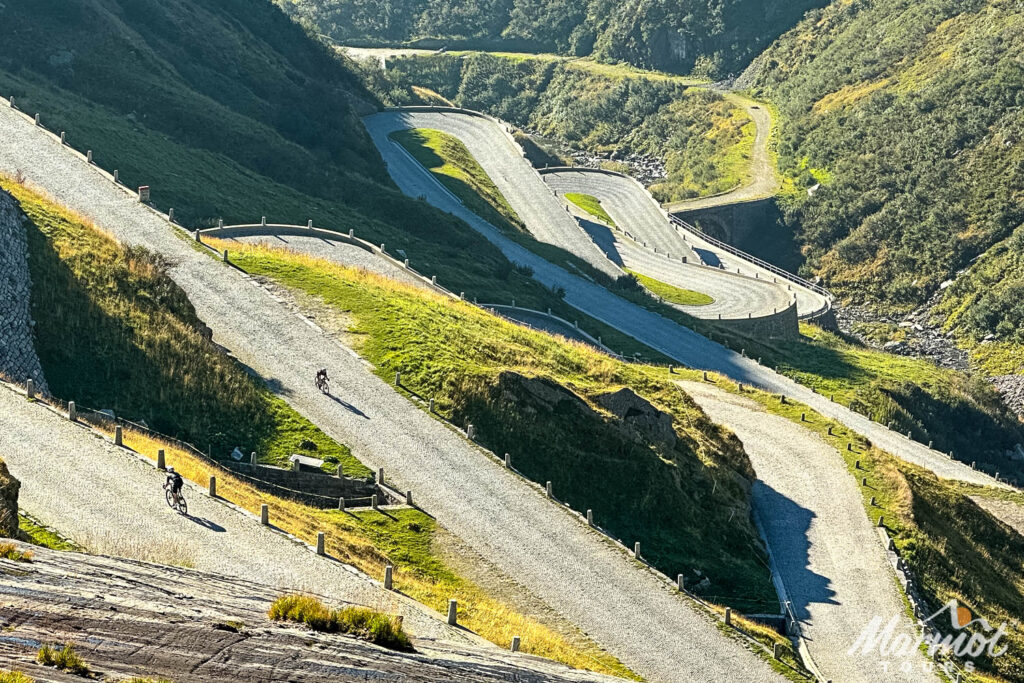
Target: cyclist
{"x":322,"y":380}
{"x":174,"y":483}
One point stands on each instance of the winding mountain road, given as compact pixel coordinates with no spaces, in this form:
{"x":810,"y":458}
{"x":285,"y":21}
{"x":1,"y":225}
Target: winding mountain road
{"x":657,"y":247}
{"x":763,"y":181}
{"x":571,"y":568}
{"x":827,"y":552}
{"x":661,"y":334}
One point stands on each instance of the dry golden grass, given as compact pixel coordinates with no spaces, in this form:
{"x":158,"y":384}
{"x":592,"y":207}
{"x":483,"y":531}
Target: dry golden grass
{"x":345,"y":540}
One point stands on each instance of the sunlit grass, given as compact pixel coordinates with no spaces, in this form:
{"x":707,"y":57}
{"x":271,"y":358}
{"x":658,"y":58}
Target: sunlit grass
{"x":671,"y":293}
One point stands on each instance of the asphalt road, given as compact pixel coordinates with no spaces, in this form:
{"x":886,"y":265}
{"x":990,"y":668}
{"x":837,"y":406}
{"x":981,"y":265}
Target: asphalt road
{"x":828,"y":554}
{"x":622,"y":606}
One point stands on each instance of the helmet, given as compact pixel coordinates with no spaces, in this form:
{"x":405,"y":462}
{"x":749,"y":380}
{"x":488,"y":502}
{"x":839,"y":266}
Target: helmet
{"x":170,"y":470}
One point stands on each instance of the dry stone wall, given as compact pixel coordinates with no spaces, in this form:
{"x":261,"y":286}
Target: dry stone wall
{"x":18,"y":359}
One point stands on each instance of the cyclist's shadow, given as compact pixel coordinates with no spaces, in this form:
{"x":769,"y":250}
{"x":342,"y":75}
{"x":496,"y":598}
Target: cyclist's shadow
{"x":203,"y":522}
{"x":348,"y":406}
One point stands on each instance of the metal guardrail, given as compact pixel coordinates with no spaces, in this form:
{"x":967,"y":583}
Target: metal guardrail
{"x":796,"y":279}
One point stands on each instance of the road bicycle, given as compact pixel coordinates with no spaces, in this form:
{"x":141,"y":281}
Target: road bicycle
{"x":177,"y":502}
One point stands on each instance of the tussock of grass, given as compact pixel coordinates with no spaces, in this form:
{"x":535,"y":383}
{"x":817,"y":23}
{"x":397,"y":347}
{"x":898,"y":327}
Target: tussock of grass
{"x":63,"y":658}
{"x":9,"y":551}
{"x":591,"y":205}
{"x":362,"y":622}
{"x":15,"y":677}
{"x":694,"y":514}
{"x":370,"y":540}
{"x":671,"y":293}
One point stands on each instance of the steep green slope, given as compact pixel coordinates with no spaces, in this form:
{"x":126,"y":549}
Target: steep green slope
{"x":113,"y":331}
{"x":703,"y":140}
{"x":714,"y":37}
{"x":620,"y":439}
{"x":908,"y":114}
{"x":228,"y":109}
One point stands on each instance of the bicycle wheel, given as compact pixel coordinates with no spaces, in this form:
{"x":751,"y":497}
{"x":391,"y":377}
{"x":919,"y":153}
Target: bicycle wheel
{"x":182,"y":505}
{"x":170,"y":497}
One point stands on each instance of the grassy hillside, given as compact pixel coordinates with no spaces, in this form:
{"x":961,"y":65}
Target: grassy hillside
{"x":228,"y":109}
{"x":908,"y":115}
{"x":114,"y":331}
{"x":619,"y":439}
{"x":712,"y":38}
{"x":957,"y":411}
{"x":703,"y":140}
{"x":591,"y":205}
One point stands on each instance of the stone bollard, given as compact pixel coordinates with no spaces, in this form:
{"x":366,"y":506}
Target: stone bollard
{"x":679,"y":582}
{"x":373,"y":501}
{"x":226,"y":256}
{"x":881,"y":521}
{"x":12,"y":104}
{"x":739,"y":385}
{"x":408,"y":498}
{"x":508,"y":461}
{"x":161,"y":460}
{"x":213,"y":486}
{"x":705,"y":375}
{"x":382,"y":247}
{"x":380,"y":475}
{"x":891,"y":545}
{"x":548,"y":490}
{"x":118,"y":436}
{"x":72,"y":411}
{"x":220,"y":222}
{"x":803,"y":417}
{"x":30,"y":389}
{"x":263,"y":221}
{"x":453,"y":612}
{"x":636,"y":550}
{"x":320,"y":543}
{"x":388,"y":577}
{"x":777,"y":650}
{"x":863,"y":481}
{"x":830,"y":430}
{"x":728,"y":616}
{"x":265,"y":515}
{"x":873,"y":502}
{"x":198,"y":236}
{"x":351,"y":233}
{"x":471,"y":432}
{"x":63,"y":138}
{"x":590,"y":517}
{"x":930,"y":444}
{"x":516,"y":640}
{"x":170,"y":215}
{"x":252,"y":459}
{"x":295,"y":466}
{"x":849,"y":445}
{"x":37,"y":119}
{"x":398,"y":379}
{"x":856,"y":464}
{"x":407,"y":264}
{"x":433,"y":279}
{"x":462,"y":296}
{"x":88,"y":156}
{"x":309,"y":224}
{"x":430,"y":406}
{"x":909,"y":435}
{"x":782,"y":399}
{"x":341,"y":504}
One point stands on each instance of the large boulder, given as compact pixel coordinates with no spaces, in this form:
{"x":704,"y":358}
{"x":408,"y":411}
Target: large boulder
{"x":639,"y":416}
{"x":9,"y":487}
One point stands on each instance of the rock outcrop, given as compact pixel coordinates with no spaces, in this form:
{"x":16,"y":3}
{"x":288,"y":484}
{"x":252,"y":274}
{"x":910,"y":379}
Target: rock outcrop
{"x":643,"y":419}
{"x":18,"y":359}
{"x":131,"y":618}
{"x":9,"y":487}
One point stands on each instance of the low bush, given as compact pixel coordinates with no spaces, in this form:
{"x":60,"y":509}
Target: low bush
{"x":9,"y":551}
{"x":362,"y":622}
{"x":63,"y":658}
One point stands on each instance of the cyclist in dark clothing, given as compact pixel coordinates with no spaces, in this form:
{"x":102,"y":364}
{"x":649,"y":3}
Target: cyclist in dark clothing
{"x":174,"y":482}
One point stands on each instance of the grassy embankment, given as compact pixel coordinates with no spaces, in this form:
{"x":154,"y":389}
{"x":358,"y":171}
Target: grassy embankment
{"x":591,"y":205}
{"x":407,"y":539}
{"x":956,"y":411}
{"x":671,"y":293}
{"x":680,"y":490}
{"x":448,"y":159}
{"x":955,"y":548}
{"x":114,"y":331}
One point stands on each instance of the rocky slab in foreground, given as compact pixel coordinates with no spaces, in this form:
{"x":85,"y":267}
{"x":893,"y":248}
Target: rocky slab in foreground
{"x":130,"y":618}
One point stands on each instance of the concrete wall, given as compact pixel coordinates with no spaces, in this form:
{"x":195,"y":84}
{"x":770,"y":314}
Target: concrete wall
{"x":18,"y":359}
{"x":319,"y":485}
{"x":781,"y":325}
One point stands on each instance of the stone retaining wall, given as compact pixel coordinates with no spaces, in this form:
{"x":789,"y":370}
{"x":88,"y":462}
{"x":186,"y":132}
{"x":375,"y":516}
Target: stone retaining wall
{"x":18,"y":359}
{"x":309,"y":483}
